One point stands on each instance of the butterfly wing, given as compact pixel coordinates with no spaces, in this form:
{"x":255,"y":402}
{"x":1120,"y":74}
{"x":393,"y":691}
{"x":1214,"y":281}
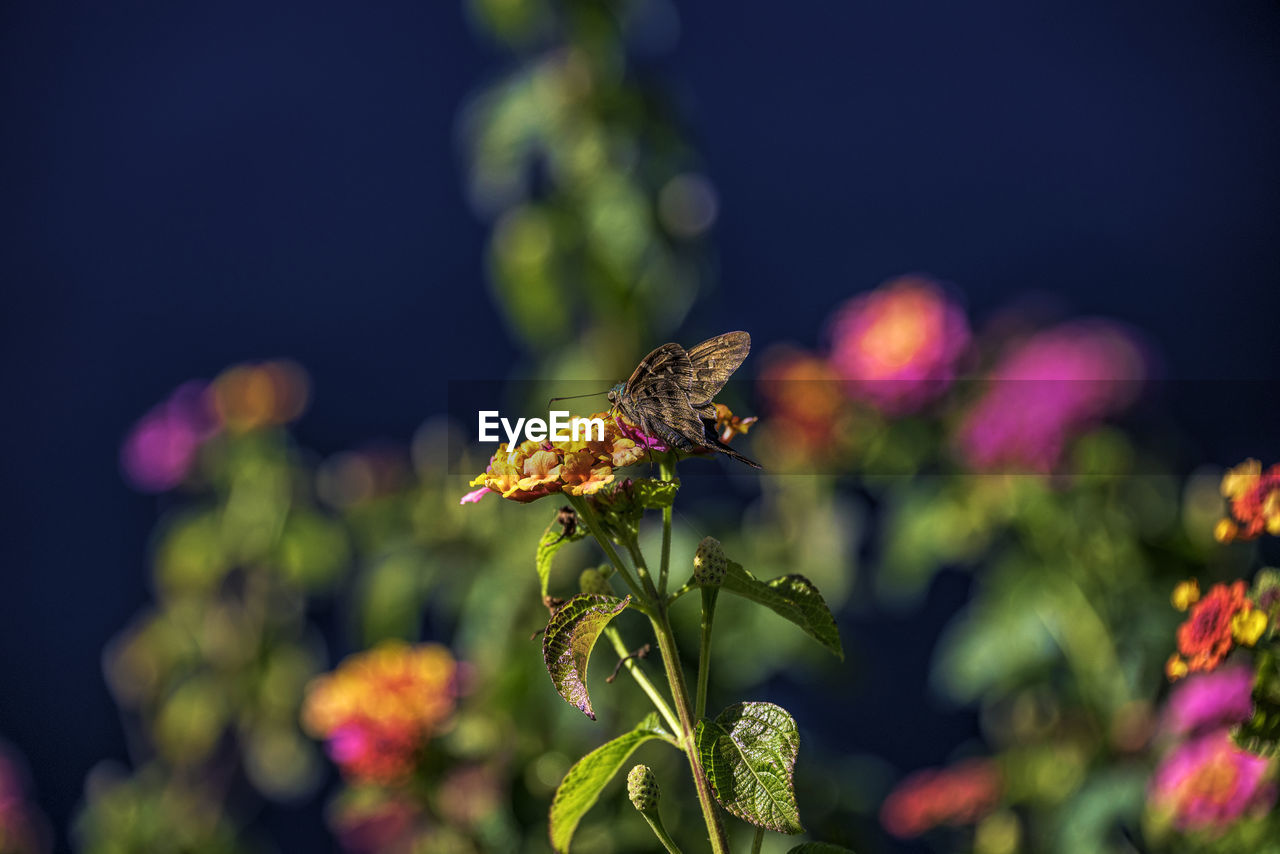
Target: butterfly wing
{"x":656,"y":397}
{"x":712,"y":363}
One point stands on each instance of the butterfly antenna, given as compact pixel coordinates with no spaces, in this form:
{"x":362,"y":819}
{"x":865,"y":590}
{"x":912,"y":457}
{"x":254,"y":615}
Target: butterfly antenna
{"x":573,"y":397}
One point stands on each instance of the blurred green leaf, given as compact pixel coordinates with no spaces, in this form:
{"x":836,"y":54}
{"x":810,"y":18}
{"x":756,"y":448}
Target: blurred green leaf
{"x":820,"y":848}
{"x":1260,"y":734}
{"x":749,"y":753}
{"x":571,"y":634}
{"x":581,"y":787}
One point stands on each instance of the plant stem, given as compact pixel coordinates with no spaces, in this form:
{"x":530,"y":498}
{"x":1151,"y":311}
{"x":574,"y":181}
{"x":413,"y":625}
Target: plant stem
{"x":704,"y":651}
{"x":667,"y":471}
{"x":637,"y":558}
{"x":757,"y":840}
{"x":642,"y":679}
{"x":585,"y":510}
{"x":655,"y":823}
{"x":680,"y":693}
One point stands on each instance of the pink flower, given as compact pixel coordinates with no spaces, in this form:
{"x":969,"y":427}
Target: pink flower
{"x":161,"y":449}
{"x":1208,"y":783}
{"x":897,"y":346}
{"x":1209,"y":701}
{"x":1047,"y":390}
{"x":958,"y":795}
{"x":475,"y":495}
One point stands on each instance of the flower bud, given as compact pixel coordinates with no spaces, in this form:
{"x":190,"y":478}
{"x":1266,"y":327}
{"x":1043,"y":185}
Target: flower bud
{"x":591,"y":581}
{"x":709,"y":563}
{"x":642,"y":788}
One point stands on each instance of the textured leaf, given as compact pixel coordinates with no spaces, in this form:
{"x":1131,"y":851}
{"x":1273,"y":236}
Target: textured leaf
{"x":793,"y":597}
{"x":749,"y":753}
{"x":656,"y":494}
{"x":570,"y":636}
{"x":553,"y":539}
{"x":581,"y":787}
{"x":819,"y":848}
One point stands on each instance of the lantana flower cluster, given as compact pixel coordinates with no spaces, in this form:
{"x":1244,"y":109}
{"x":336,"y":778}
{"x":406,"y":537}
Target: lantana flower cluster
{"x":959,"y":795}
{"x":380,"y":707}
{"x":1219,"y":621}
{"x":1253,"y":496}
{"x":533,"y":470}
{"x":1205,"y":782}
{"x":161,"y":450}
{"x":899,"y":348}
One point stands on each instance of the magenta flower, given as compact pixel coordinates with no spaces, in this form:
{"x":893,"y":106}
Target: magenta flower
{"x":1046,"y":391}
{"x":897,"y":346}
{"x":475,"y":495}
{"x":1209,"y":701}
{"x":1208,"y":783}
{"x":161,"y":449}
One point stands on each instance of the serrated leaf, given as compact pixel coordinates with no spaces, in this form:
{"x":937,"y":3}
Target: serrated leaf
{"x":571,"y":634}
{"x":749,"y":754}
{"x":553,"y":539}
{"x":792,"y":597}
{"x":820,"y":848}
{"x":656,"y":494}
{"x":581,"y":787}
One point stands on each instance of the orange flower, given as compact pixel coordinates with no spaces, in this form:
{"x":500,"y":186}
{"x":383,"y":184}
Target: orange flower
{"x":379,"y":707}
{"x":1254,"y":497}
{"x":534,"y":470}
{"x":1206,"y":636}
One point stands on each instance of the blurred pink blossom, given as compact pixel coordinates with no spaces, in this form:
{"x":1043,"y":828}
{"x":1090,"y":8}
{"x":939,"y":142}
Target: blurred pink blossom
{"x":897,"y":346}
{"x":1048,"y":389}
{"x":1209,"y":701}
{"x":161,"y":449}
{"x":1208,"y":783}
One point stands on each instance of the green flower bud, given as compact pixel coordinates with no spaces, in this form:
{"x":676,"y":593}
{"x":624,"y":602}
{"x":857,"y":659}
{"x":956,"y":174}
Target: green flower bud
{"x":591,"y":581}
{"x":642,"y":788}
{"x":709,"y":563}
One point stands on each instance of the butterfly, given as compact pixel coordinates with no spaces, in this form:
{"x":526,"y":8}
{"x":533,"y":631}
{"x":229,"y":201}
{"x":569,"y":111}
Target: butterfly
{"x":669,"y":394}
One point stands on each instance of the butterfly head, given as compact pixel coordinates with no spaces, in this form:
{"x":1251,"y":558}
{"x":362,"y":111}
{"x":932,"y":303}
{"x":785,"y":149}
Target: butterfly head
{"x":616,"y":392}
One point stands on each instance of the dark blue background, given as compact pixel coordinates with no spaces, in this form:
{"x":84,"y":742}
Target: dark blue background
{"x":185,"y":185}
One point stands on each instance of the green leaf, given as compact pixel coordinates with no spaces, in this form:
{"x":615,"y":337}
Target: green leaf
{"x":793,"y":597}
{"x":820,"y":848}
{"x":749,"y":753}
{"x":655,"y":494}
{"x":553,"y":539}
{"x":570,"y":636}
{"x":581,"y":787}
{"x":1261,"y":733}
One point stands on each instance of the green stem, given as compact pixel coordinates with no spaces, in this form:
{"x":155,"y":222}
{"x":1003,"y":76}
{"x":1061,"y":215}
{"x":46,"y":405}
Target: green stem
{"x":680,"y":693}
{"x":667,"y":472}
{"x":587,"y":512}
{"x":637,"y":558}
{"x":642,"y":680}
{"x":757,"y":840}
{"x":704,"y":650}
{"x":655,"y":823}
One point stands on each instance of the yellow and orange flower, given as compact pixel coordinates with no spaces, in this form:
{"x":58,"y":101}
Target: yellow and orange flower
{"x":533,"y":470}
{"x":1211,"y":628}
{"x":1254,"y":499}
{"x":380,"y":707}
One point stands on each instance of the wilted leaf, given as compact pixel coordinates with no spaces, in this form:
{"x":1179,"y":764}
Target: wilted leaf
{"x":749,"y":753}
{"x":567,"y":644}
{"x":581,"y":787}
{"x":793,"y":597}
